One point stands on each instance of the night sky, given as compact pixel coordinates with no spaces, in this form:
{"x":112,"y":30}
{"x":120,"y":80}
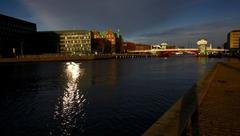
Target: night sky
{"x":179,"y":22}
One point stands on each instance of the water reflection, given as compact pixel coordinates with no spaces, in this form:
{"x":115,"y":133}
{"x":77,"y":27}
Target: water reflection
{"x":105,"y":73}
{"x":202,"y":65}
{"x":70,"y":105}
{"x":124,"y":97}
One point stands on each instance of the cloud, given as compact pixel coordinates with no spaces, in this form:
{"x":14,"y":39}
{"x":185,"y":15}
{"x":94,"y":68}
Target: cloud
{"x":143,"y":21}
{"x":129,"y":15}
{"x":214,"y":31}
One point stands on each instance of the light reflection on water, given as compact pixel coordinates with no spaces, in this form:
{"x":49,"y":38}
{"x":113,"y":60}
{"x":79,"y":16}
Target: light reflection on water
{"x":107,"y":97}
{"x":70,"y":105}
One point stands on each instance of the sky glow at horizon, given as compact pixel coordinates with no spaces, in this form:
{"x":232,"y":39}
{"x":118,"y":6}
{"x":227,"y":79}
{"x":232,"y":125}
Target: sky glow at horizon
{"x":179,"y":22}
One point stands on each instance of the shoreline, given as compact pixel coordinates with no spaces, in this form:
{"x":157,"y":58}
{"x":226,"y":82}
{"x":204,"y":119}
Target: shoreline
{"x":63,"y":58}
{"x":180,"y":118}
{"x":55,"y":58}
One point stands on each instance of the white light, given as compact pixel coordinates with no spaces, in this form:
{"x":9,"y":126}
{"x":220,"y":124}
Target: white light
{"x":202,"y":42}
{"x":72,"y":101}
{"x":164,"y":44}
{"x":73,"y":70}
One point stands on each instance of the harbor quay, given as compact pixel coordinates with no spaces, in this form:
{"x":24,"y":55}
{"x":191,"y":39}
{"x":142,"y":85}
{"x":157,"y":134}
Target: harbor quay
{"x":59,"y":57}
{"x":211,"y":107}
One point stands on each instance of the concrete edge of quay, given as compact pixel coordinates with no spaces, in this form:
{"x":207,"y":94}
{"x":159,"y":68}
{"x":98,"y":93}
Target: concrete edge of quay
{"x":176,"y":119}
{"x":52,"y":58}
{"x":41,"y":58}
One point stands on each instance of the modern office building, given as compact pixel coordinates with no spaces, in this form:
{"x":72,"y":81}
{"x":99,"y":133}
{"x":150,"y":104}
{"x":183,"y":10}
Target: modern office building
{"x":69,"y":42}
{"x":234,"y":40}
{"x":75,"y":42}
{"x":47,"y":43}
{"x":15,"y":36}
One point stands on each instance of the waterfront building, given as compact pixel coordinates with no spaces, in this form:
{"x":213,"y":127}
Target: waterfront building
{"x":16,"y":36}
{"x":97,"y":35}
{"x":69,"y":42}
{"x":75,"y":42}
{"x":106,"y":42}
{"x":234,"y":40}
{"x":142,"y":46}
{"x":131,"y":46}
{"x":48,"y":42}
{"x":202,"y":47}
{"x":111,"y":36}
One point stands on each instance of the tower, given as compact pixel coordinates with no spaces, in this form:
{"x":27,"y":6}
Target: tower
{"x":118,"y":33}
{"x":202,"y":47}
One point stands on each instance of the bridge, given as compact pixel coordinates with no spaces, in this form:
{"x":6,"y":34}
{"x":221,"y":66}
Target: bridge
{"x":185,"y":50}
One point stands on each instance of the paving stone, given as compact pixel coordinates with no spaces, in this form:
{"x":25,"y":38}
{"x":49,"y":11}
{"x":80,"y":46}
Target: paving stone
{"x":219,"y":112}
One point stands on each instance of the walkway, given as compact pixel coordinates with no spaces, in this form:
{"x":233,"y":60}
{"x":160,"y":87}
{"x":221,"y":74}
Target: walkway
{"x":210,"y":108}
{"x":219,"y":112}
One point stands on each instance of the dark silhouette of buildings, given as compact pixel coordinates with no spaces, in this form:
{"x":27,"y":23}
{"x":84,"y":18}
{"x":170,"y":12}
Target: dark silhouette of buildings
{"x":16,"y":36}
{"x":48,"y":42}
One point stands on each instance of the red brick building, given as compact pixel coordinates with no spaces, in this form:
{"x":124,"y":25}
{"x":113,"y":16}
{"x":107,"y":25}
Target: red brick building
{"x":129,"y":46}
{"x":108,"y":37}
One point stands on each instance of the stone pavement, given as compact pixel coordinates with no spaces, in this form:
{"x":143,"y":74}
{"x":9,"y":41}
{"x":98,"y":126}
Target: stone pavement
{"x":219,"y":111}
{"x":209,"y":108}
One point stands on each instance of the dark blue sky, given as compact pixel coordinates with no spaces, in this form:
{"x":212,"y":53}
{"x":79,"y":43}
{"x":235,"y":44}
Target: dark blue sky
{"x":179,"y":22}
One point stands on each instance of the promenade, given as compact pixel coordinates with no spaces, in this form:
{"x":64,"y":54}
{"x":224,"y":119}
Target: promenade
{"x":210,"y":108}
{"x":219,"y":112}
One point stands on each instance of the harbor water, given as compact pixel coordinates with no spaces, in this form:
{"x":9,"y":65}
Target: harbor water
{"x":122,"y":97}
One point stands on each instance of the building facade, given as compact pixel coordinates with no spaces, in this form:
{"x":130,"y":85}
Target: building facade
{"x":69,"y":42}
{"x":48,"y":42}
{"x":234,"y":40}
{"x":16,"y":36}
{"x":106,"y":42}
{"x":111,"y":36}
{"x":97,"y":35}
{"x":131,"y":46}
{"x":108,"y":35}
{"x":75,"y":42}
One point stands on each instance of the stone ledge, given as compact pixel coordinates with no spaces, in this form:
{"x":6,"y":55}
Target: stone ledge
{"x":175,"y":120}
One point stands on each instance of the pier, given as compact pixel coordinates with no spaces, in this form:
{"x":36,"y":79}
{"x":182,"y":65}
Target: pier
{"x":211,"y":107}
